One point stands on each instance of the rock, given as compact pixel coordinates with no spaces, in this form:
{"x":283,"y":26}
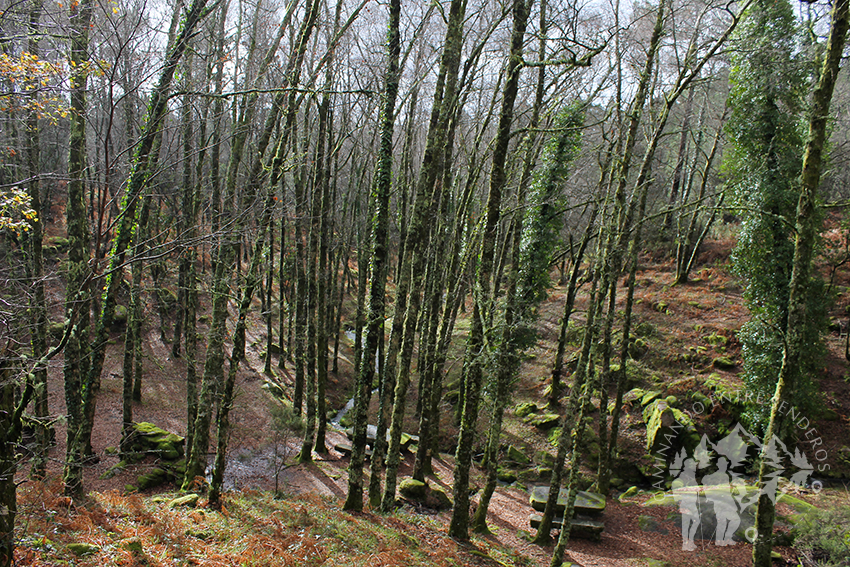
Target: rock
{"x":544,"y":421}
{"x":516,"y":456}
{"x":723,"y":363}
{"x":412,"y":489}
{"x":151,"y":439}
{"x":155,"y":477}
{"x":638,"y":349}
{"x":188,"y":501}
{"x":719,"y":342}
{"x":672,"y":401}
{"x":589,"y":503}
{"x":82,"y":549}
{"x":525,"y":409}
{"x":113,"y":470}
{"x":581,"y":528}
{"x":644,"y":329}
{"x":506,"y":476}
{"x":544,"y":458}
{"x":649,"y":397}
{"x":698,"y":397}
{"x":437,"y":499}
{"x":666,"y":425}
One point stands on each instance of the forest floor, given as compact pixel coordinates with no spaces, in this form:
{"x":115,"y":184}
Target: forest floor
{"x":680,"y":319}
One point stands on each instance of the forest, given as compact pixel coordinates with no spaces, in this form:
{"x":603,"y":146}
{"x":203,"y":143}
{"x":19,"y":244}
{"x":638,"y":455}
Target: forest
{"x":411,"y":228}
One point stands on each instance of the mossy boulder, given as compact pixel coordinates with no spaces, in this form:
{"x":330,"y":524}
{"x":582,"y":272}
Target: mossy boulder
{"x":723,"y":363}
{"x":150,"y":439}
{"x":543,"y":421}
{"x":412,"y":489}
{"x":525,"y":409}
{"x":650,"y":524}
{"x":516,"y":456}
{"x":113,"y":470}
{"x":133,"y":545}
{"x":544,"y":458}
{"x":437,"y":499}
{"x":507,"y":476}
{"x":649,"y":397}
{"x":719,"y":342}
{"x":81,"y":549}
{"x":187,"y":501}
{"x":155,"y":477}
{"x":638,"y":348}
{"x":59,"y":243}
{"x":668,"y":426}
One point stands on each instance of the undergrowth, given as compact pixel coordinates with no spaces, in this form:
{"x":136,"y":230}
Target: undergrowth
{"x":253,"y":528}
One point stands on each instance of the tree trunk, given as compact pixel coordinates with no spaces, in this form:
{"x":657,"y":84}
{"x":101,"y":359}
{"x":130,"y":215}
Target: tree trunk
{"x":474,"y":362}
{"x":379,"y":262}
{"x":35,"y":267}
{"x":807,"y":225}
{"x":77,"y":296}
{"x":425,"y":206}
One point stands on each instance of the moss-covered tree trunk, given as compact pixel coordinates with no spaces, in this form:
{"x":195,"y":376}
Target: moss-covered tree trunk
{"x":380,"y":202}
{"x":77,"y":298}
{"x":474,"y":361}
{"x":426,"y":205}
{"x":806,"y":225}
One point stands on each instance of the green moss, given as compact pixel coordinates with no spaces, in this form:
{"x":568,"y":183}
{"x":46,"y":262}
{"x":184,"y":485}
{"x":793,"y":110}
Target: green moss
{"x":525,"y":409}
{"x":413,"y":489}
{"x":723,"y":363}
{"x":82,"y":549}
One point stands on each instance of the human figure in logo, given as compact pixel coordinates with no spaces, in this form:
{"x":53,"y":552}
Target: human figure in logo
{"x":723,"y":495}
{"x":688,"y":497}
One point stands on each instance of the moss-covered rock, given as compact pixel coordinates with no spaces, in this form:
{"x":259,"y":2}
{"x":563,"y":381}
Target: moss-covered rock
{"x":525,"y":409}
{"x":187,"y":501}
{"x":667,"y":425}
{"x":437,"y":499}
{"x":507,"y":476}
{"x":723,"y":363}
{"x":155,"y":477}
{"x":516,"y":456}
{"x":81,"y":549}
{"x":638,"y":348}
{"x":544,"y":421}
{"x":149,"y":439}
{"x":113,"y":470}
{"x":649,"y":397}
{"x":412,"y":489}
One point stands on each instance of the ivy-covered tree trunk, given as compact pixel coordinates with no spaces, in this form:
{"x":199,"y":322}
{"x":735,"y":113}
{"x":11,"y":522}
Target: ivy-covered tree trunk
{"x":474,"y":361}
{"x":807,"y":225}
{"x":379,"y":262}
